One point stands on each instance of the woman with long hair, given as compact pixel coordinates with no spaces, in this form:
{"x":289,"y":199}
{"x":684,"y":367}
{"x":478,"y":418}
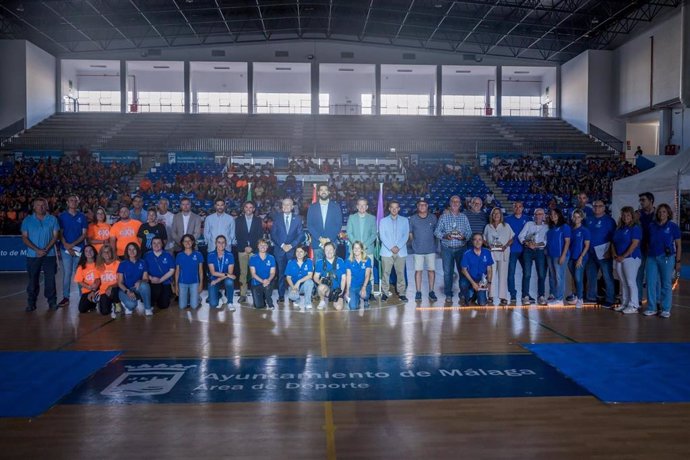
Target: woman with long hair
{"x":663,"y":257}
{"x":627,"y":258}
{"x":98,"y":232}
{"x":498,"y":236}
{"x":579,"y":246}
{"x":557,"y":245}
{"x":358,"y":273}
{"x":133,"y":281}
{"x":107,"y":265}
{"x":298,"y":277}
{"x":189,"y":273}
{"x":221,"y":266}
{"x":88,"y":278}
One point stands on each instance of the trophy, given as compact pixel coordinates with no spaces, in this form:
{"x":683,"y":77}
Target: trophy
{"x":496,"y":244}
{"x":455,"y":233}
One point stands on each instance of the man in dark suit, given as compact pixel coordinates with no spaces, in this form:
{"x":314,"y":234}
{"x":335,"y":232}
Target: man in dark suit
{"x":286,"y":234}
{"x":324,"y":221}
{"x":248,"y":231}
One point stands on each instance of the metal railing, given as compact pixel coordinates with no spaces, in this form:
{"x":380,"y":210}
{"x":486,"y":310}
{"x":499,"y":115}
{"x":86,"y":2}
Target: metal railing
{"x":606,"y":138}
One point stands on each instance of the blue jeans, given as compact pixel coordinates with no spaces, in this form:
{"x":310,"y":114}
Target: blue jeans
{"x":578,"y":275}
{"x":143,"y":293}
{"x":660,"y":271}
{"x":512,"y":265}
{"x":69,"y":268}
{"x":306,"y":288}
{"x":189,"y":292}
{"x":355,"y":295}
{"x":34,"y":265}
{"x":451,"y":259}
{"x":468,"y":292}
{"x":641,"y":276}
{"x":539,"y":258}
{"x":556,"y":277}
{"x":214,"y":292}
{"x":606,"y":267}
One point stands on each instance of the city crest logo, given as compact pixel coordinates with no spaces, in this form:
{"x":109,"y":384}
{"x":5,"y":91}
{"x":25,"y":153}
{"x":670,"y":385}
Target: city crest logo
{"x":146,"y":380}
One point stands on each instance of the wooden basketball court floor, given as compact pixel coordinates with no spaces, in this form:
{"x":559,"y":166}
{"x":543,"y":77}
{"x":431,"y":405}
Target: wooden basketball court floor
{"x":526,"y":427}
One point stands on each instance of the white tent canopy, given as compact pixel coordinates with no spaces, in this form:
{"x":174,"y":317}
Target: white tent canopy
{"x":665,"y":181}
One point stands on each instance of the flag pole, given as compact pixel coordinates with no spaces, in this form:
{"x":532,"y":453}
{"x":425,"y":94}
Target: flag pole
{"x":379,"y":216}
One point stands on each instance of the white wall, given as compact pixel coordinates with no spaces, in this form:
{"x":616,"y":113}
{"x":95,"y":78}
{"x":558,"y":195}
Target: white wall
{"x":601,"y":110}
{"x":157,"y":80}
{"x":219,"y":81}
{"x":575,"y":90}
{"x":521,"y":87}
{"x":645,"y":135}
{"x":404,"y":83}
{"x":467,"y":85}
{"x":40,"y":84}
{"x":346,"y":87}
{"x":634,"y":65}
{"x":281,"y":81}
{"x":12,"y":81}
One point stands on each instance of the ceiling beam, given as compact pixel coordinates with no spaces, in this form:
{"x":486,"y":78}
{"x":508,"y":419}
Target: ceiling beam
{"x":149,"y":23}
{"x":88,"y":2}
{"x":330,"y":18}
{"x":439,"y":24}
{"x":402,"y":24}
{"x":261,"y":18}
{"x":67,"y":21}
{"x":35,"y":28}
{"x":222,"y":16}
{"x":184,"y":16}
{"x":476,"y":26}
{"x":366,"y":19}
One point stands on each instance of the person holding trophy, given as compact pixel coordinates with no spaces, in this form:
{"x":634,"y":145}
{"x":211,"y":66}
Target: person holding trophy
{"x":533,"y":238}
{"x":477,"y":273}
{"x":498,"y":236}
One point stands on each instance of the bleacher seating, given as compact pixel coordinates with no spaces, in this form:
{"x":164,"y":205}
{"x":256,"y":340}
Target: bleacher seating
{"x":326,"y":134}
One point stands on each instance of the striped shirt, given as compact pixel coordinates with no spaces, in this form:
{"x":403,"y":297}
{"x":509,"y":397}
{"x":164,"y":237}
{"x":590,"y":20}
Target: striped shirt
{"x":478,"y":221}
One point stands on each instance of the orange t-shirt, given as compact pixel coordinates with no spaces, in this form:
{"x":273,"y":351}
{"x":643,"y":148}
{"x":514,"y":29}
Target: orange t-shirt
{"x":125,"y":233}
{"x":87,"y":275}
{"x":108,"y":276}
{"x":99,"y":231}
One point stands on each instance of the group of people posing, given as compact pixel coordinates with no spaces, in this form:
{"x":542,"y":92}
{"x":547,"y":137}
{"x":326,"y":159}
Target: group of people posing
{"x":149,"y":256}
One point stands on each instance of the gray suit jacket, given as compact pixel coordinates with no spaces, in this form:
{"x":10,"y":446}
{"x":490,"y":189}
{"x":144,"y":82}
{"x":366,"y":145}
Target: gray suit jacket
{"x":194,"y":228}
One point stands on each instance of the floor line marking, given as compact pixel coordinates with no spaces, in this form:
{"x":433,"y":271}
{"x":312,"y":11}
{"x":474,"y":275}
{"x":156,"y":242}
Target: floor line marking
{"x":517,"y":312}
{"x":329,"y":426}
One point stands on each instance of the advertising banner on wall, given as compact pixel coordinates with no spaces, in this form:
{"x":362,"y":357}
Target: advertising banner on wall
{"x":37,"y":154}
{"x":188,"y":156}
{"x":116,"y":156}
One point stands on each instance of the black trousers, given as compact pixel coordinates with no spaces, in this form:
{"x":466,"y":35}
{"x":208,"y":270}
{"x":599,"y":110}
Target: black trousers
{"x":85,"y":304}
{"x":105,"y":304}
{"x":34,"y":266}
{"x":262,"y":296}
{"x":160,"y":295}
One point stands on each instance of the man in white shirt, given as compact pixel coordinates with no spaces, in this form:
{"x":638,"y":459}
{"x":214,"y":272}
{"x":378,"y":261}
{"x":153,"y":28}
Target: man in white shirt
{"x":394,"y":232}
{"x":165,"y":217}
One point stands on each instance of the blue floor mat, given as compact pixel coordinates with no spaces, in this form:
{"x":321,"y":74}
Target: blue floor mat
{"x":32,"y":382}
{"x":624,"y":372}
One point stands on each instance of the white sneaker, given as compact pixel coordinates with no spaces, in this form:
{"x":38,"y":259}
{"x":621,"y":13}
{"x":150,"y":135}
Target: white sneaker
{"x":128,"y":311}
{"x":620,"y":307}
{"x":231,"y":306}
{"x":541,"y":300}
{"x":308,"y":306}
{"x":629,"y":309}
{"x":665,"y":314}
{"x":222,"y":306}
{"x":649,"y":313}
{"x":113,"y":314}
{"x":578,"y":303}
{"x":554,"y":302}
{"x":148,"y":312}
{"x":321,"y":305}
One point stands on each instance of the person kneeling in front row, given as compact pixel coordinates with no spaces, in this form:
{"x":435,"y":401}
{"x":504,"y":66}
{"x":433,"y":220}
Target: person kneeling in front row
{"x":262,"y":267}
{"x":330,"y":278}
{"x":298,"y":276}
{"x":477,"y":272}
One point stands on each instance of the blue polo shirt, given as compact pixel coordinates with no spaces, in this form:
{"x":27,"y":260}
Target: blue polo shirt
{"x":601,"y":231}
{"x":40,"y":232}
{"x":141,"y":216}
{"x":662,"y":237}
{"x":159,"y":265}
{"x":516,"y":223}
{"x":132,"y":271}
{"x":323,"y":267}
{"x":73,"y":226}
{"x":262,"y":267}
{"x":189,"y":266}
{"x":589,"y":212}
{"x":555,"y":239}
{"x":477,"y":265}
{"x":578,"y":236}
{"x":358,"y":270}
{"x":220,"y":263}
{"x":623,"y":237}
{"x":297,"y":272}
